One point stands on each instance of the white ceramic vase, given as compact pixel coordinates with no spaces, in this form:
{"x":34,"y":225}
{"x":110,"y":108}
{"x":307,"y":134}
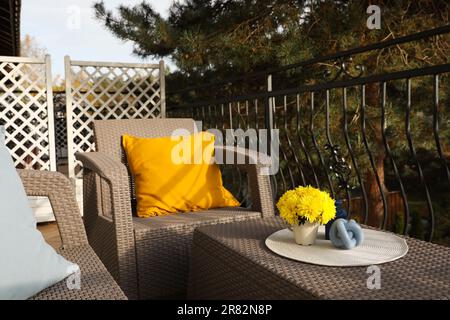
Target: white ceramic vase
{"x":306,"y":233}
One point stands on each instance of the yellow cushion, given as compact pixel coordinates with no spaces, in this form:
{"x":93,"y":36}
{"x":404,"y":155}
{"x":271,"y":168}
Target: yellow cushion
{"x":175,"y":174}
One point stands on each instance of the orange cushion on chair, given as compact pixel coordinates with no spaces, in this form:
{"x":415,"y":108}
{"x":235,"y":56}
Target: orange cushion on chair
{"x":176,"y":174}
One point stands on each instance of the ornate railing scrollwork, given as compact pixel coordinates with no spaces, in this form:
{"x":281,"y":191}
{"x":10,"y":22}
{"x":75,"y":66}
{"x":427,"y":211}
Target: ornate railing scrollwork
{"x":343,"y":67}
{"x":339,"y":167}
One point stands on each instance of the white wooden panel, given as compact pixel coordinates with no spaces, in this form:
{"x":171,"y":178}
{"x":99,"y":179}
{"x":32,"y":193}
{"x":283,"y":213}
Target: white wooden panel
{"x":43,"y":210}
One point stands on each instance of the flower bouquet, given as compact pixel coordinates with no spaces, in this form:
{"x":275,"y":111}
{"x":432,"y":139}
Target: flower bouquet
{"x":305,"y":208}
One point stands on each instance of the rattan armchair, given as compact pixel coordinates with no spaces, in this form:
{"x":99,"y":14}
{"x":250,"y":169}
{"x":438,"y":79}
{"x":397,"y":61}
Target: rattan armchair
{"x":149,"y":257}
{"x":96,"y":282}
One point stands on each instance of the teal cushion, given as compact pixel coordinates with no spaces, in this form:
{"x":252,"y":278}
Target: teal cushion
{"x":27,"y":263}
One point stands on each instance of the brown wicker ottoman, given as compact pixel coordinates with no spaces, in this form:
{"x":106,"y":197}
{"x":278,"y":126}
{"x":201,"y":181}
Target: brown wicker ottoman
{"x":231,"y":261}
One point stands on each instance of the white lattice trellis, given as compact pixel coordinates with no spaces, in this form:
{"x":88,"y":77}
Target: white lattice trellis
{"x":106,"y":90}
{"x":59,"y":105}
{"x":26,"y":111}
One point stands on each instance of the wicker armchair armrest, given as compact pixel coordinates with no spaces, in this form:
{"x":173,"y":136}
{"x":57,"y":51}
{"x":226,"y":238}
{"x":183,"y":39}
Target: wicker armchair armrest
{"x":61,"y":194}
{"x":110,"y":233}
{"x":242,"y":157}
{"x":116,"y":175}
{"x":257,"y":165}
{"x":103,"y":165}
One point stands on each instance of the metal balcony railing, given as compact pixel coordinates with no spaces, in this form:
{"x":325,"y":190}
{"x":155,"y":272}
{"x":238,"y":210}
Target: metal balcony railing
{"x":376,"y":137}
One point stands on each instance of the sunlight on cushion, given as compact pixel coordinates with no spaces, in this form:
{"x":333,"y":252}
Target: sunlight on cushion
{"x":175,"y":174}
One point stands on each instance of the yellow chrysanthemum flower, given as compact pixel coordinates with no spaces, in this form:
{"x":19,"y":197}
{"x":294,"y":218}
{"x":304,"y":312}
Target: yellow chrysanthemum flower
{"x":306,"y":204}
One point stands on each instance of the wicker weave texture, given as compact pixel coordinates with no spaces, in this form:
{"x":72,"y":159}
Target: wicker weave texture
{"x":163,"y":246}
{"x":61,"y":194}
{"x":108,"y":133}
{"x":110,"y":233}
{"x":149,"y":259}
{"x":232,"y":262}
{"x":96,"y":282}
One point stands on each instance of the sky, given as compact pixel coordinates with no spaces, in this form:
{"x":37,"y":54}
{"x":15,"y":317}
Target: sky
{"x":68,"y":27}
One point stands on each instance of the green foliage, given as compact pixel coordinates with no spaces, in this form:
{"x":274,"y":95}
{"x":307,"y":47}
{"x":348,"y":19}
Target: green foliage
{"x":417,"y":228}
{"x":399,"y":223}
{"x":242,"y":35}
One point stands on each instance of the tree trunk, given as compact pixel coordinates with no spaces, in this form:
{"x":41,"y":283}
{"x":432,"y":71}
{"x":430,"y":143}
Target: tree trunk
{"x":375,"y":202}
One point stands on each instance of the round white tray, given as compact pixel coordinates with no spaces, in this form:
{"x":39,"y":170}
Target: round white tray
{"x":377,"y":247}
